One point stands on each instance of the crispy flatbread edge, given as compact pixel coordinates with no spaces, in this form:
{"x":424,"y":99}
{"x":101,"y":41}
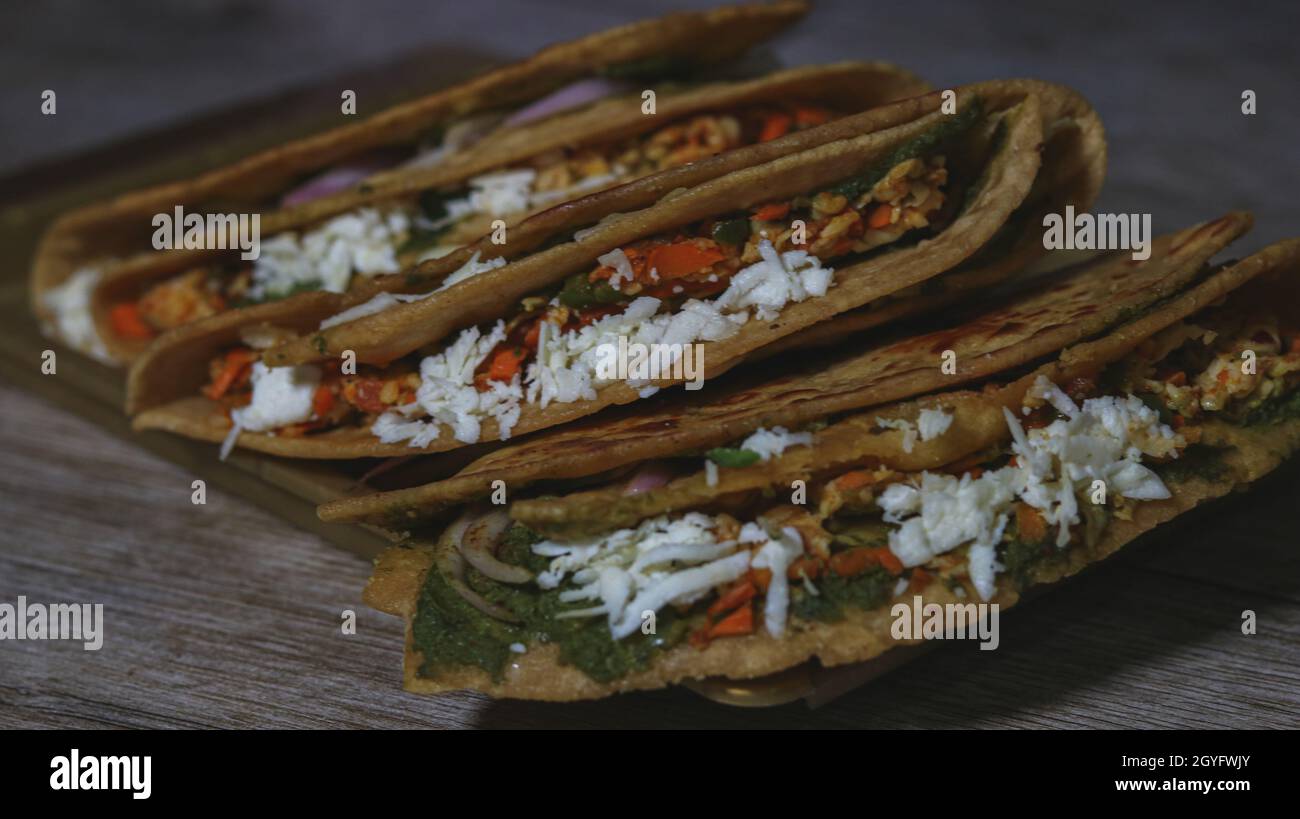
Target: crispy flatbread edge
{"x":721,"y":34}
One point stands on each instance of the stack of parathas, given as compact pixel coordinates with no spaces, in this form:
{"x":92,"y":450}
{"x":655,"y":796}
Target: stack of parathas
{"x":891,"y":409}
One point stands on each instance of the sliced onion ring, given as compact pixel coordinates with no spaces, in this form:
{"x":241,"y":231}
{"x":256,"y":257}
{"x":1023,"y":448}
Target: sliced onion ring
{"x":650,"y":476}
{"x":572,"y":95}
{"x":448,"y":560}
{"x":478,"y":545}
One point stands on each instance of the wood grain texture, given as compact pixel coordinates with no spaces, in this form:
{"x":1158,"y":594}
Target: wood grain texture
{"x":225,"y":616}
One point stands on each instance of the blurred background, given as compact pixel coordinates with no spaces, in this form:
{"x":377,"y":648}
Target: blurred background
{"x":1166,"y":76}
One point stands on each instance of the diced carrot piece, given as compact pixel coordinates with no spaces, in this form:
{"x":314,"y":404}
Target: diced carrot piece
{"x":127,"y":322}
{"x":919,"y":580}
{"x":237,"y":362}
{"x":762,"y":578}
{"x":880,"y":216}
{"x":505,"y":363}
{"x":856,"y":561}
{"x":772,"y":212}
{"x":533,"y":335}
{"x":808,"y":115}
{"x":774,"y":126}
{"x":742,"y":592}
{"x":854,"y":480}
{"x":1030,"y":523}
{"x":683,"y":258}
{"x":889,"y":561}
{"x":740,"y":621}
{"x":853,"y":561}
{"x":322,"y":401}
{"x":591,"y":315}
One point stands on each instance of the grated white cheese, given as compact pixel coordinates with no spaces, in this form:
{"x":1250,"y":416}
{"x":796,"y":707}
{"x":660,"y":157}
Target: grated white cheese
{"x":932,"y":423}
{"x":623,"y":271}
{"x":902,"y":425}
{"x":495,"y":194}
{"x":469,"y":270}
{"x":771,"y":443}
{"x":447,"y":395}
{"x":281,"y":396}
{"x":710,"y":473}
{"x":1105,"y":439}
{"x":363,"y":242}
{"x":263,"y":336}
{"x":777,"y":555}
{"x":665,"y":561}
{"x":228,"y":443}
{"x":509,"y":192}
{"x":377,"y":304}
{"x":779,"y":279}
{"x":565,"y":369}
{"x":72,"y":322}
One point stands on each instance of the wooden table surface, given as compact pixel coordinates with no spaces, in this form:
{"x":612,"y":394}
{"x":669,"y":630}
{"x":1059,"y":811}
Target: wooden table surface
{"x":224,"y":616}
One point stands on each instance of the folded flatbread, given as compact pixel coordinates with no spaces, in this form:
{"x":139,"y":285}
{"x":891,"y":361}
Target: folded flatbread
{"x":1015,"y":331}
{"x":353,"y":203}
{"x":708,"y":254}
{"x":956,"y":498}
